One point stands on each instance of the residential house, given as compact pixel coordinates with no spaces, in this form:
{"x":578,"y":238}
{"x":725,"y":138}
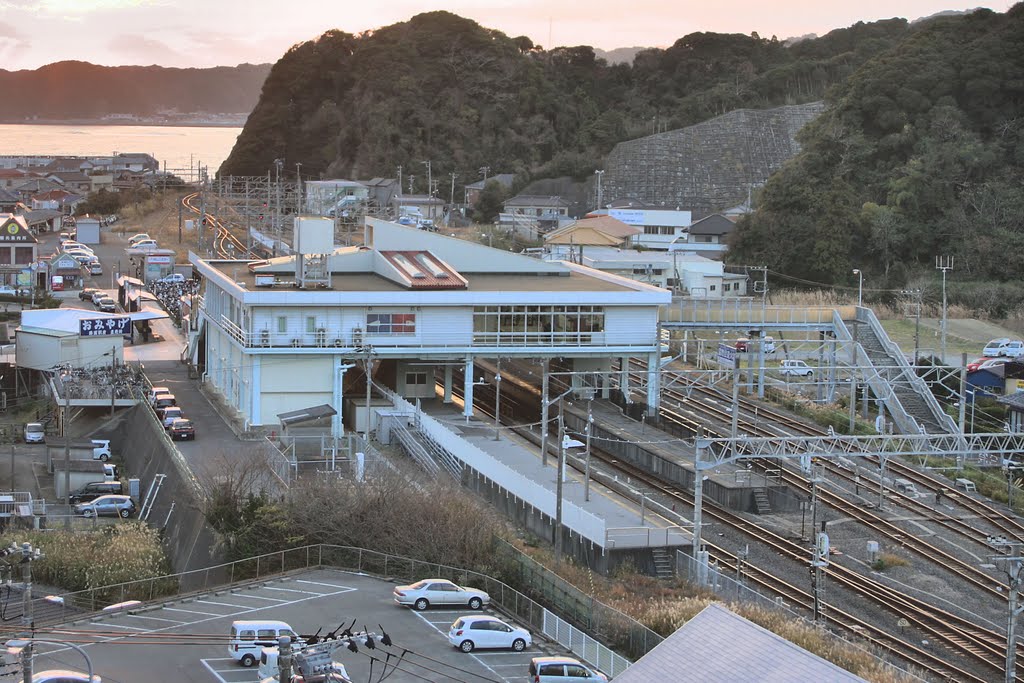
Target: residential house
{"x":8,"y":200}
{"x":533,"y":216}
{"x":9,"y":177}
{"x":473,"y":190}
{"x":660,"y":226}
{"x":418,"y":206}
{"x":57,"y":200}
{"x":134,"y":162}
{"x":1014,"y":411}
{"x":27,"y":187}
{"x":68,"y":165}
{"x":599,"y":231}
{"x":986,"y":382}
{"x":708,"y":235}
{"x":75,"y":181}
{"x":19,"y":249}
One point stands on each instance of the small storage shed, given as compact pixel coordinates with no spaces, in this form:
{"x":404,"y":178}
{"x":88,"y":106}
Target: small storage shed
{"x":87,"y":230}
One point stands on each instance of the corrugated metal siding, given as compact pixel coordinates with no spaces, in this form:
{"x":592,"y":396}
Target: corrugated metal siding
{"x":445,"y":326}
{"x":630,"y":325}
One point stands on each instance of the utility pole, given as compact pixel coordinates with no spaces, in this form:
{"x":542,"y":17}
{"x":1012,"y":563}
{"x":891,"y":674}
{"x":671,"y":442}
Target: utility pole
{"x":599,"y":174}
{"x":544,"y":414}
{"x":284,"y":659}
{"x":484,"y":170}
{"x":298,"y":188}
{"x":278,"y":163}
{"x":399,"y":178}
{"x":945,"y":264}
{"x":497,"y":402}
{"x":411,"y":178}
{"x":430,"y":182}
{"x":67,"y":456}
{"x":451,"y":199}
{"x":558,"y":486}
{"x":821,"y":550}
{"x":1013,"y":561}
{"x":113,"y":379}
{"x":590,"y":429}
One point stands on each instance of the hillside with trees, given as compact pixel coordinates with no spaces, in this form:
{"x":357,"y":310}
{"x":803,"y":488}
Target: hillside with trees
{"x":79,"y":91}
{"x":920,"y":154}
{"x":444,"y":88}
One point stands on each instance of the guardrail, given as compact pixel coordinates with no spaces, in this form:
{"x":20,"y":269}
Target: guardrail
{"x":567,"y":610}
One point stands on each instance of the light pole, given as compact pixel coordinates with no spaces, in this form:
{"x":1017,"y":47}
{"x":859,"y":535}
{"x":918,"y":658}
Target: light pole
{"x":599,"y":195}
{"x":497,"y":402}
{"x":860,"y":286}
{"x":945,"y":264}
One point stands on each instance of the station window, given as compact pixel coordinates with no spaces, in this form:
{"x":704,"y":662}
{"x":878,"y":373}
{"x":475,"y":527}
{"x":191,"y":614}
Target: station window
{"x":390,"y":323}
{"x":536,"y":325}
{"x":415,"y":378}
{"x":282,"y":324}
{"x":310,"y":324}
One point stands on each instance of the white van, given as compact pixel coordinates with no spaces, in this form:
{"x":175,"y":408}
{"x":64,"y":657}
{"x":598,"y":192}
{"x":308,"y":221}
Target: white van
{"x":248,"y":638}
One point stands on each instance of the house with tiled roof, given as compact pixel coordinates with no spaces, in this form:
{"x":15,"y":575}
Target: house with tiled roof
{"x":533,"y":216}
{"x":707,"y":236}
{"x":59,"y":200}
{"x":473,"y":190}
{"x":75,"y":181}
{"x":8,"y":200}
{"x":68,"y":165}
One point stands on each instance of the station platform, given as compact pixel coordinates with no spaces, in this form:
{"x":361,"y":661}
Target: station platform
{"x":672,"y":457}
{"x":609,"y":522}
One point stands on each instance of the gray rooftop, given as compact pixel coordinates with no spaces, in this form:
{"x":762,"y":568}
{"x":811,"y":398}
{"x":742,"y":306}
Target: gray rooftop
{"x":719,"y":646}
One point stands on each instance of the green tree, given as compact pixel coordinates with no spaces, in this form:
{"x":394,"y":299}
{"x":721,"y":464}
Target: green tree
{"x":489,"y":203}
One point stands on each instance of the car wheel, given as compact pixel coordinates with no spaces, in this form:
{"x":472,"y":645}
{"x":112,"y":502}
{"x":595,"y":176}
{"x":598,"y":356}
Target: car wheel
{"x":466,"y":646}
{"x":126,"y":513}
{"x":247,"y":660}
{"x":518,"y":644}
{"x":87,"y":513}
{"x":104,"y":457}
{"x":421,"y":604}
{"x":475,"y":603}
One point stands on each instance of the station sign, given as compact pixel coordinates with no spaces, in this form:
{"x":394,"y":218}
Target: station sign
{"x":105,"y":327}
{"x":727,"y":355}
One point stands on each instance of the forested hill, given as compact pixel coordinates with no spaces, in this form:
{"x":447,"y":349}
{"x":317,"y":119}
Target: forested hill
{"x":921,"y":154}
{"x":443,"y":88}
{"x":79,"y":90}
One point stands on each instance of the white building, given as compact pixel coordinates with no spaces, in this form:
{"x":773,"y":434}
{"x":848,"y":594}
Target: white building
{"x":330,"y":197}
{"x":48,"y":337}
{"x":681,"y":272}
{"x":661,"y":227}
{"x":293,"y":332}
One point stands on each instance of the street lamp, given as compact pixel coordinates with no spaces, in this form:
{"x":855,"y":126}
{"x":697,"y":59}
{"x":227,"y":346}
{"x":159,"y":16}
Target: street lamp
{"x":860,"y":286}
{"x":497,"y":403}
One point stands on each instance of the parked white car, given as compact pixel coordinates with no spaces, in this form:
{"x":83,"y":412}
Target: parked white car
{"x":35,"y":432}
{"x":992,"y":362}
{"x":1011,"y":348}
{"x":172,"y":278}
{"x":101,"y":449}
{"x":145,"y":245}
{"x":427,"y":592}
{"x":138,"y":237}
{"x":796,"y":368}
{"x":470,"y":633}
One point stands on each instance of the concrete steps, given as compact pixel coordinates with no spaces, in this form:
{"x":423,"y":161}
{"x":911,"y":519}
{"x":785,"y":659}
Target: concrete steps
{"x":764,"y":507}
{"x":664,"y":565}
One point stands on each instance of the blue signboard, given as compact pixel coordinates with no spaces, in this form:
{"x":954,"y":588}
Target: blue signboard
{"x":104,"y":327}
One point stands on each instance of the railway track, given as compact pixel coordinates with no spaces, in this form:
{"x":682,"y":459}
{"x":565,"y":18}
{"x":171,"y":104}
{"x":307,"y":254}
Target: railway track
{"x":958,"y":634}
{"x":225,"y":244}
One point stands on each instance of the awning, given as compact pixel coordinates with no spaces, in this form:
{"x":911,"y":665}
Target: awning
{"x":125,"y":280}
{"x":147,"y":314}
{"x":306,"y":415}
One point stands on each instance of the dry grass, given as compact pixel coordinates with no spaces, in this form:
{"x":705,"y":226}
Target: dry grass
{"x":158,"y":216}
{"x":888,"y":560}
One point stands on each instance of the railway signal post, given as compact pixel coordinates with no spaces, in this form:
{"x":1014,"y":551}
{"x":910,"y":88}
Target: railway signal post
{"x":1013,"y":564}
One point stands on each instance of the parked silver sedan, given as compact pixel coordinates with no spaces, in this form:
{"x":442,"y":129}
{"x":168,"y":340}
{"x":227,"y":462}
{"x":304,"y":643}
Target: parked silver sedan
{"x":110,"y":505}
{"x":427,"y":592}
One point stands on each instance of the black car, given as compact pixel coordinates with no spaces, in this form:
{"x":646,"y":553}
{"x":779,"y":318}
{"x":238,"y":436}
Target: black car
{"x":86,"y":294}
{"x":95,"y":489}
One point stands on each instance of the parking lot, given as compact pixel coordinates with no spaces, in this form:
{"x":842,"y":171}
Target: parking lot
{"x":141,"y":646}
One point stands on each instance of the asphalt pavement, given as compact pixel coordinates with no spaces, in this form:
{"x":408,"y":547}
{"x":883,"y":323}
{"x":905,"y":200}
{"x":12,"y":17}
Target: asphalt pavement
{"x":187,"y":640}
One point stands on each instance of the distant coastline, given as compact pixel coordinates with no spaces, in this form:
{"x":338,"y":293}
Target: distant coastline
{"x":185,"y":123}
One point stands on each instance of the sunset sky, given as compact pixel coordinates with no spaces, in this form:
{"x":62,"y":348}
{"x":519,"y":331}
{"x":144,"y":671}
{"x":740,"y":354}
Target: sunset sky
{"x":227,"y":32}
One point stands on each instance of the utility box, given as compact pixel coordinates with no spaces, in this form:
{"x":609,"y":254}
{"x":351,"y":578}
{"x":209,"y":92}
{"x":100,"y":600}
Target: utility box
{"x":356,"y":413}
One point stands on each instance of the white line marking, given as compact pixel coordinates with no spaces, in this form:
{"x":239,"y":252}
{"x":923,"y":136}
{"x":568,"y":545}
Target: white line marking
{"x":169,"y":621}
{"x":445,"y":634}
{"x":192,"y":611}
{"x":101,"y":624}
{"x":258,"y":597}
{"x":222,"y":604}
{"x":290,"y":590}
{"x":329,"y":585}
{"x":212,"y":671}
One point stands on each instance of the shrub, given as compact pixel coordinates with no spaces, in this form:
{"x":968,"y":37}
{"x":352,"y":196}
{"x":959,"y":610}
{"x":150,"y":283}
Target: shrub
{"x":80,"y":560}
{"x":886,"y":560}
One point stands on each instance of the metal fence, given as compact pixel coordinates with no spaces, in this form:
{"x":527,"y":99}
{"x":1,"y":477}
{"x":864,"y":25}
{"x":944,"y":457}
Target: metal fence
{"x":544,"y":601}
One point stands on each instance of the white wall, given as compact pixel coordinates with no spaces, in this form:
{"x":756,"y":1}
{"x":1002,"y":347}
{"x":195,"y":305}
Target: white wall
{"x":294,"y":382}
{"x":629,"y":325}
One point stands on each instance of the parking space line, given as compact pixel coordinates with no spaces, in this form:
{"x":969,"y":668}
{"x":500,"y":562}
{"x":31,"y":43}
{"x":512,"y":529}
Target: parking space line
{"x":258,"y":597}
{"x":169,"y":621}
{"x":212,"y":671}
{"x":101,"y":624}
{"x":291,"y":590}
{"x":329,"y":585}
{"x":192,"y":611}
{"x":223,"y":604}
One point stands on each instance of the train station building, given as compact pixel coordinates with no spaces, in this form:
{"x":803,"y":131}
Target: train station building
{"x":287,"y":333}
